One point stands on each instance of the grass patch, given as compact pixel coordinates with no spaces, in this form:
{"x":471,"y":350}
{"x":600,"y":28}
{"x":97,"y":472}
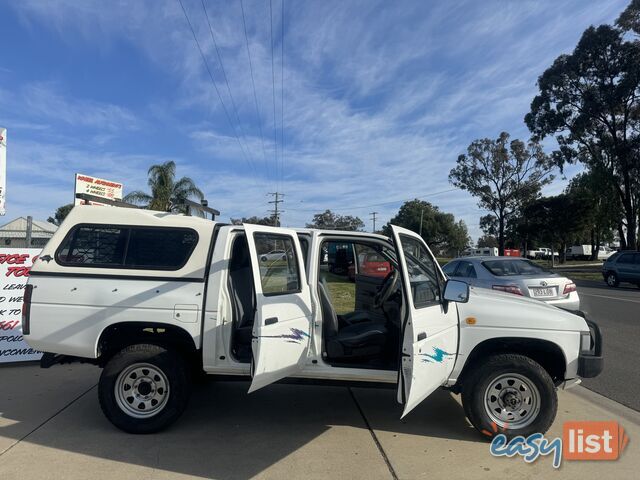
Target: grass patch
{"x":597,"y":277}
{"x":342,"y":291}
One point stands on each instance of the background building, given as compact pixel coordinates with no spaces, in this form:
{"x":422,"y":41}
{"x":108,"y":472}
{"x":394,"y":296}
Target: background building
{"x":15,"y":233}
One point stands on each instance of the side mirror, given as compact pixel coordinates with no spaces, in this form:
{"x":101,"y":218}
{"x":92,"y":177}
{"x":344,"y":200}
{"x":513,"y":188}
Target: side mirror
{"x":456,"y":291}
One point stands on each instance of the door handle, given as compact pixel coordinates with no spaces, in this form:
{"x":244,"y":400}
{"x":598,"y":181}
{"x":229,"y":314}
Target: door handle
{"x":422,"y":336}
{"x":271,"y":321}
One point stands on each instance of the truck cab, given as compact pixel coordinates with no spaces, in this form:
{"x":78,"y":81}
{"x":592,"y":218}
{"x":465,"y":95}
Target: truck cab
{"x":156,"y":298}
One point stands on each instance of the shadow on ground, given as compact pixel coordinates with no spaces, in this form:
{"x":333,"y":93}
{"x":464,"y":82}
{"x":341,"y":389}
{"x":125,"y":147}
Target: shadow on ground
{"x":224,"y":433}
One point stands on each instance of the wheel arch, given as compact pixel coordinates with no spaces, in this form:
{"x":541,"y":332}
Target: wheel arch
{"x":545,"y":352}
{"x":117,"y":336}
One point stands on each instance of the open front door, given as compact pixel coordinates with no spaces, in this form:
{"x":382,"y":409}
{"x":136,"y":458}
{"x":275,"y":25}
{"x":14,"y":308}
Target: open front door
{"x":281,"y":331}
{"x":430,"y":329}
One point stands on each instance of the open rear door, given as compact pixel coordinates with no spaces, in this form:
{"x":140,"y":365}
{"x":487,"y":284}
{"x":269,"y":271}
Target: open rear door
{"x":430,"y":329}
{"x":281,"y":331}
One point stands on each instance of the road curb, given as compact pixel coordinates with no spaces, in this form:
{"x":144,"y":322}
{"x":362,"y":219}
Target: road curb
{"x":605,"y":403}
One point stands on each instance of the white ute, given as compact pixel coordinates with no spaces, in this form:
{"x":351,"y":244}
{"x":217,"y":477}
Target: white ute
{"x":155,"y":298}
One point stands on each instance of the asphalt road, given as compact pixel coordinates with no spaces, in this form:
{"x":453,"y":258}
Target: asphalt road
{"x":617,"y":312}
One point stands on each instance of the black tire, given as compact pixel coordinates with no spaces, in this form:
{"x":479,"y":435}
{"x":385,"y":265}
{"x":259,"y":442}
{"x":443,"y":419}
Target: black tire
{"x":476,"y":385}
{"x":612,"y":279}
{"x":176,"y":377}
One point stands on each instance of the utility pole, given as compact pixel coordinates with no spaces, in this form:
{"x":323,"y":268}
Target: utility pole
{"x":276,"y":209}
{"x":27,"y":237}
{"x":421,"y":215}
{"x":373,"y":217}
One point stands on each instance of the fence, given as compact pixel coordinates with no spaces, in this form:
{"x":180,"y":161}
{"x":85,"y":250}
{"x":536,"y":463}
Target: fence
{"x":24,"y":232}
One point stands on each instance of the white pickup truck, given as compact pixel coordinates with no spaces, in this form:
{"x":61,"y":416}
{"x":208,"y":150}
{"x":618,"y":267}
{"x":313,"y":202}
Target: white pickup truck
{"x":155,"y":298}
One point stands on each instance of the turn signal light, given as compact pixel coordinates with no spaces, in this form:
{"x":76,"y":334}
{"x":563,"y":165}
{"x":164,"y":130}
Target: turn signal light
{"x":508,"y":289}
{"x":568,"y":288}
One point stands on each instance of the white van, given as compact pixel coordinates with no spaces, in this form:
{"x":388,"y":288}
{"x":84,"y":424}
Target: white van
{"x":154,"y":298}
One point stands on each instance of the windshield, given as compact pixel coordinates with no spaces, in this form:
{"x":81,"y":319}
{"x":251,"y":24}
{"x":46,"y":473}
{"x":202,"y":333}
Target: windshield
{"x":502,"y":268}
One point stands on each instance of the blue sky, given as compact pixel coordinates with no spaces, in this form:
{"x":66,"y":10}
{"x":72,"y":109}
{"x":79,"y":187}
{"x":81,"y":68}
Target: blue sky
{"x":379,"y":97}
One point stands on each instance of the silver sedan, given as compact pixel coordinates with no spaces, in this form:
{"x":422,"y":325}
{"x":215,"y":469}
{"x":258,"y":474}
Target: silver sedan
{"x":515,"y":275}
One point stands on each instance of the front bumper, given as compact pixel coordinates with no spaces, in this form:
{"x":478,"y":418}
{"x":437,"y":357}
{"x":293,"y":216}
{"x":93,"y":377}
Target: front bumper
{"x":590,"y":364}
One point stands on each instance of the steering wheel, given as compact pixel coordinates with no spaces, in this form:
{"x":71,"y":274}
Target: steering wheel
{"x":388,"y":287}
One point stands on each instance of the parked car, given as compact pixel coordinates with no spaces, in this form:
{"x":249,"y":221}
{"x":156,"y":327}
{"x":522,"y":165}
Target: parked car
{"x":623,"y":266}
{"x":273,"y":256}
{"x":371,"y":265}
{"x":518,"y":276}
{"x":545,"y":252}
{"x":541,"y":253}
{"x":152,"y":298}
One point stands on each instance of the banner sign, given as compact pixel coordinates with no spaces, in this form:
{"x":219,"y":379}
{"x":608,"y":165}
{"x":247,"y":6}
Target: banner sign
{"x":98,"y":187}
{"x":15,"y":264}
{"x":3,"y":169}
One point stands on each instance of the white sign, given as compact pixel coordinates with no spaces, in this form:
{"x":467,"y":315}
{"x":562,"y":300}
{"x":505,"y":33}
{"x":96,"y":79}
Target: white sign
{"x":97,"y":187}
{"x":3,"y":169}
{"x":15,"y":264}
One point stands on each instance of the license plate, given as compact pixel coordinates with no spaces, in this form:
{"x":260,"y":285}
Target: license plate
{"x":543,"y":292}
{"x":382,"y":269}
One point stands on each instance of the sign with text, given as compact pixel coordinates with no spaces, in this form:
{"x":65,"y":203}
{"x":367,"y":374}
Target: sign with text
{"x":98,"y":187}
{"x":3,"y":169}
{"x":15,"y":264}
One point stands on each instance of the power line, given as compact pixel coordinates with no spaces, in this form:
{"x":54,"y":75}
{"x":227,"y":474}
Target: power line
{"x":380,"y":204}
{"x":273,"y":83}
{"x":255,"y":95}
{"x":276,"y":210}
{"x":215,"y":86}
{"x":226,"y":81}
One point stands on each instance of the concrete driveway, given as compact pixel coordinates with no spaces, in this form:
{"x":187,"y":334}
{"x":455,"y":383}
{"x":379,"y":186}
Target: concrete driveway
{"x":51,"y":427}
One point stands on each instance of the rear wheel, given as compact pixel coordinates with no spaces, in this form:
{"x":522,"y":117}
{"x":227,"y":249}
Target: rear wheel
{"x":144,"y":388}
{"x":509,"y":394}
{"x":612,"y":279}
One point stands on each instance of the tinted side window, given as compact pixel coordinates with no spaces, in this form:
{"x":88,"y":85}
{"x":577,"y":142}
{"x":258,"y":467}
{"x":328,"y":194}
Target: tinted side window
{"x":466,"y":270}
{"x":626,"y":258}
{"x":279,"y":269}
{"x":125,"y":247}
{"x":94,"y":246}
{"x":161,"y":248}
{"x":450,"y":268}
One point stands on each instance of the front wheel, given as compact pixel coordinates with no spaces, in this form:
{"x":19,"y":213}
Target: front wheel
{"x":612,"y":279}
{"x":144,"y":388}
{"x":509,"y":394}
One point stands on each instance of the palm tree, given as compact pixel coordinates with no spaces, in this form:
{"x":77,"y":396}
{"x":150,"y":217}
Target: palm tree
{"x":167,"y":194}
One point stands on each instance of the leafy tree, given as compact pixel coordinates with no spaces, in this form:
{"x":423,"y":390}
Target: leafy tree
{"x":629,"y":20}
{"x":328,"y":220}
{"x":487,"y":241}
{"x":590,"y":101}
{"x":439,"y":230}
{"x":61,"y":214}
{"x":269,"y":221}
{"x":504,"y":176}
{"x":604,"y":212}
{"x":167,"y":194}
{"x":557,"y":219}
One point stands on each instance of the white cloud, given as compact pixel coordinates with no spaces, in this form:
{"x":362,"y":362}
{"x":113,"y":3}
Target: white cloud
{"x":380,"y":97}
